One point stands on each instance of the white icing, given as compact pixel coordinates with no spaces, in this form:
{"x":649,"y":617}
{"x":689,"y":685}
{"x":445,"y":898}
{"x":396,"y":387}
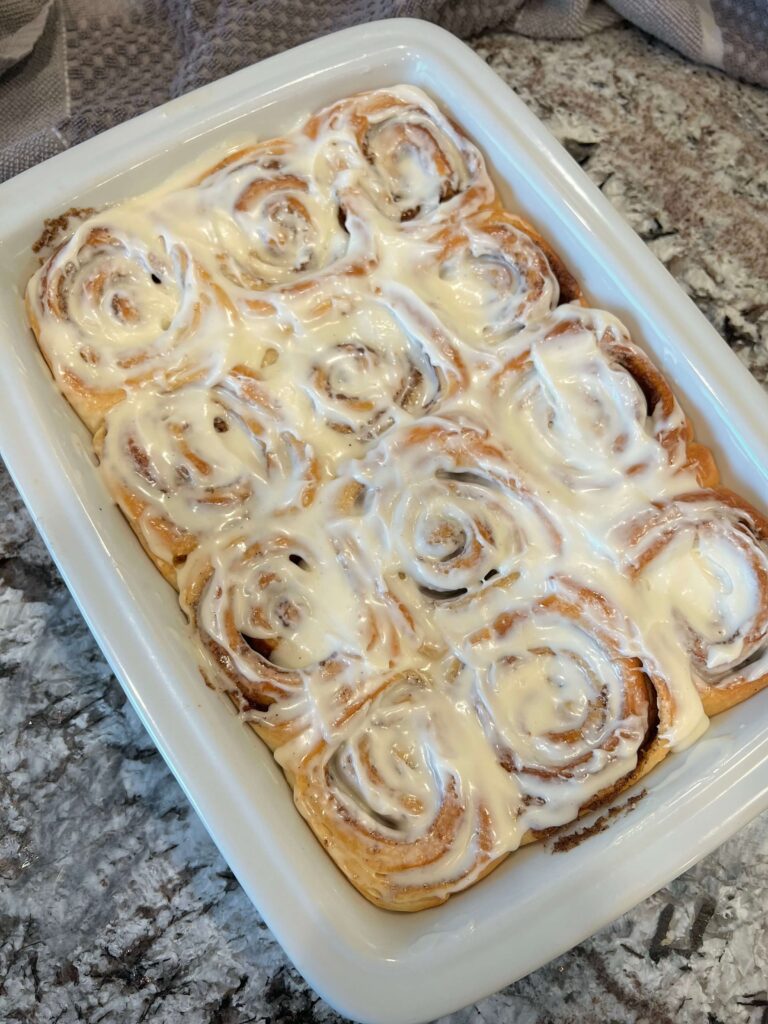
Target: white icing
{"x":207,"y":459}
{"x":262,"y":219}
{"x":124,"y":301}
{"x":711,"y":574}
{"x":491,"y":281}
{"x":383,"y":438}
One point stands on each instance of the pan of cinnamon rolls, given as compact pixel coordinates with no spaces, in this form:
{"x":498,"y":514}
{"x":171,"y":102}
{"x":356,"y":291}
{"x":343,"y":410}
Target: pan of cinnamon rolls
{"x":441,"y":530}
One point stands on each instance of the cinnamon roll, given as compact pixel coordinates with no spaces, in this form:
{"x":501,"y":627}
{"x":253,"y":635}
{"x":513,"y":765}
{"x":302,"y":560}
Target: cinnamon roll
{"x":355,"y":368}
{"x":116,"y":307}
{"x":702,"y":560}
{"x":198,"y":461}
{"x":398,"y":149}
{"x":270,"y":224}
{"x":289,"y":629}
{"x":394,"y":799}
{"x":566,"y":702}
{"x":491,"y":276}
{"x":591,"y":411}
{"x":444,"y":519}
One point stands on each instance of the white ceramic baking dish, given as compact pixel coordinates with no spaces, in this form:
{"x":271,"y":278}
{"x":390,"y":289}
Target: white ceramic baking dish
{"x":373,"y":965}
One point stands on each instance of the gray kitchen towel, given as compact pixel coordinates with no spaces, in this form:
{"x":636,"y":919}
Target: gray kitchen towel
{"x":71,"y":68}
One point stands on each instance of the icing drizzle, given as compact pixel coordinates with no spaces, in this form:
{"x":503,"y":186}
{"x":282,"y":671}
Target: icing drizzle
{"x":444,"y":538}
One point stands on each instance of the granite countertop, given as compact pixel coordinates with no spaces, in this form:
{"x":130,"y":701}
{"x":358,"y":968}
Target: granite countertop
{"x":115,"y":905}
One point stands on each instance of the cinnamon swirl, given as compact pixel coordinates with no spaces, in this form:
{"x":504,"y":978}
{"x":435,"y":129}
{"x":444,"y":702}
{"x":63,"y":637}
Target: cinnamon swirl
{"x":289,"y":629}
{"x":443,"y":518}
{"x":396,"y":148}
{"x":270,"y":224}
{"x":116,"y":307}
{"x":561,"y":700}
{"x":593,"y":412}
{"x":704,"y":555}
{"x":490,"y":276}
{"x":357,"y":366}
{"x":193,"y":462}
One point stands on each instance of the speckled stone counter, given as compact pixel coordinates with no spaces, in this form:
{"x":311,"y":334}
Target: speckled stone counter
{"x":115,"y":906}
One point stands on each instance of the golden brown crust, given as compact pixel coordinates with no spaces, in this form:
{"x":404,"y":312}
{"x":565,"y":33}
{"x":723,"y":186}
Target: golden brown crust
{"x":570,"y":289}
{"x":57,"y":229}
